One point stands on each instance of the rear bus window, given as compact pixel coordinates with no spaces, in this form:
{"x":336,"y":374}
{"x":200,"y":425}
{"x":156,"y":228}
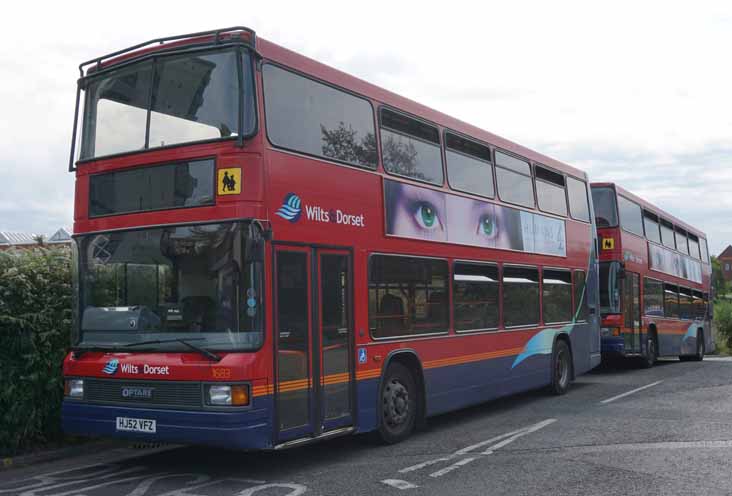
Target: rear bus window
{"x":550,"y":191}
{"x":630,"y":216}
{"x":694,"y":247}
{"x":698,"y":304}
{"x":653,"y":297}
{"x":513,"y":177}
{"x":520,"y":296}
{"x":407,"y":296}
{"x":313,"y":118}
{"x":667,"y":234}
{"x":681,"y":241}
{"x":557,"y":296}
{"x":686,"y":310}
{"x":671,"y":301}
{"x":410,"y":148}
{"x":469,"y":166}
{"x":475,"y":296}
{"x":578,"y":206}
{"x":704,"y":250}
{"x":650,"y":224}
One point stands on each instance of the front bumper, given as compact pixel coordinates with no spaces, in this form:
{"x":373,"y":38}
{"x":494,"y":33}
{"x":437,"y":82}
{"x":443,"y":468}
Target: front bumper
{"x":249,"y":429}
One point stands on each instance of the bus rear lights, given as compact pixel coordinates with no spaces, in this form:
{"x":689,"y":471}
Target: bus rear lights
{"x":228,"y":395}
{"x":74,"y":388}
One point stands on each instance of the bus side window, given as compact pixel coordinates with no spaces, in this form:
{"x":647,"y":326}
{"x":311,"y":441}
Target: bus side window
{"x":410,"y":147}
{"x":557,"y":296}
{"x":520,"y":296}
{"x":407,"y":296}
{"x":513,"y":178}
{"x":581,"y":304}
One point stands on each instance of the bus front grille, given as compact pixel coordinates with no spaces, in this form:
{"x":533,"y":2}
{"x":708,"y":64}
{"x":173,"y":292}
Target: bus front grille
{"x":157,"y":394}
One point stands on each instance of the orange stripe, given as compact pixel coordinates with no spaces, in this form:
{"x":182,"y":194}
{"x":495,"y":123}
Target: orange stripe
{"x":472,"y":358}
{"x":300,"y":384}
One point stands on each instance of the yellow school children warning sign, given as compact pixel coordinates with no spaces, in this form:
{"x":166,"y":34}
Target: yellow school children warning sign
{"x":608,"y":243}
{"x":229,"y":182}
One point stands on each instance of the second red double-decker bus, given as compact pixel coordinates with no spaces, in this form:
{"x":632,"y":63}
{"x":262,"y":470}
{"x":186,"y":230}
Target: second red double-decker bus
{"x":272,"y":252}
{"x":655,"y":278}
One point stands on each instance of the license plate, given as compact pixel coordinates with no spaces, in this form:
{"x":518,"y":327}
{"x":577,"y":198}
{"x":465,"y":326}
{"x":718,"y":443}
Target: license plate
{"x":136,"y":425}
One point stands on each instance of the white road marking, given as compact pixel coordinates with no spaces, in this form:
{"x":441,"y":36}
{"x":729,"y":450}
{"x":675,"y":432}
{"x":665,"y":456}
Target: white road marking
{"x":630,"y":392}
{"x":491,"y":449}
{"x":452,"y":467}
{"x":495,"y":443}
{"x":399,"y":484}
{"x":468,"y":449}
{"x":718,"y":358}
{"x":102,"y":476}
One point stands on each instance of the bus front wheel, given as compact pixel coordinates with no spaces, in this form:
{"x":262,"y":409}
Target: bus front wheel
{"x":398,"y":404}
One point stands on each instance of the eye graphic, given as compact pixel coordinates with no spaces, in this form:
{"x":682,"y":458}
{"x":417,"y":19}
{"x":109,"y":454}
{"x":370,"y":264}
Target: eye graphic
{"x":426,"y":216}
{"x":487,"y":226}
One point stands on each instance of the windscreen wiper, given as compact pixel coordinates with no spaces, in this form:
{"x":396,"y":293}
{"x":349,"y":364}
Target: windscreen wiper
{"x":79,"y":351}
{"x":203,"y":351}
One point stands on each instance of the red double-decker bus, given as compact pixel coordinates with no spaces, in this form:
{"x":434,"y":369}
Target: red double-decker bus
{"x":271,"y":252}
{"x":655,"y":280}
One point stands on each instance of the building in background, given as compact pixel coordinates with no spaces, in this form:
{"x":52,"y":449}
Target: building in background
{"x":20,"y":240}
{"x":725,"y":260}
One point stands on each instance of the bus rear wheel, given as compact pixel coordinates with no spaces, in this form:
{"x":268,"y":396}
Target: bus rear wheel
{"x":398,"y":404}
{"x":651,"y":356}
{"x":700,"y":347}
{"x":561,"y":368}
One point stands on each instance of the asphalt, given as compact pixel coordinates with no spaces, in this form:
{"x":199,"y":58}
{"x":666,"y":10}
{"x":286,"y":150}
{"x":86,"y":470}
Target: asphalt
{"x":673,"y":436}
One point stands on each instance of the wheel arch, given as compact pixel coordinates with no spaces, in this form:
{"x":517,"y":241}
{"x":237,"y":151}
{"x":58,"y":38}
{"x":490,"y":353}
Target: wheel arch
{"x":408,"y":358}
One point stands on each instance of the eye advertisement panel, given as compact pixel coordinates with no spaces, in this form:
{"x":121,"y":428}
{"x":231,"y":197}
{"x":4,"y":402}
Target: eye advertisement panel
{"x":672,"y":263}
{"x":416,"y":212}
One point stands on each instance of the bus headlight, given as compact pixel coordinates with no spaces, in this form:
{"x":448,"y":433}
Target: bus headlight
{"x":228,"y":395}
{"x":74,"y":388}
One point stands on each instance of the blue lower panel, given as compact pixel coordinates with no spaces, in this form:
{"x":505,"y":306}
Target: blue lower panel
{"x":368,"y":394}
{"x":251,"y":429}
{"x":459,"y":386}
{"x":613,"y":345}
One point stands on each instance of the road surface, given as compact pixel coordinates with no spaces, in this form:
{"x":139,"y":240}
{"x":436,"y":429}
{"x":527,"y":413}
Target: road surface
{"x":619,"y":431}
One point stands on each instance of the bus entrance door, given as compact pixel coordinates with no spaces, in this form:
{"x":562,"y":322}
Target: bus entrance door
{"x":631,"y":313}
{"x":314,"y":341}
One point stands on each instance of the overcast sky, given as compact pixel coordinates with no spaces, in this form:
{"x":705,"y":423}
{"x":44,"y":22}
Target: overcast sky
{"x":638,"y":92}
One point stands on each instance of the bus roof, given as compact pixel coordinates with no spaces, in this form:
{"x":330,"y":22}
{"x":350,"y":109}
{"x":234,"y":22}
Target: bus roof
{"x":651,"y":207}
{"x":289,"y":58}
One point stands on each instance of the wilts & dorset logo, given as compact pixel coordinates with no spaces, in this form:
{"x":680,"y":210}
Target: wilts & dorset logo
{"x":111,"y":367}
{"x":292,"y":206}
{"x":290,"y":209}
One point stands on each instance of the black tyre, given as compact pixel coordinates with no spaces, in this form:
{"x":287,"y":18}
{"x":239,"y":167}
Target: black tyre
{"x":398,"y":397}
{"x":561,"y":368}
{"x":700,"y":347}
{"x":651,"y":356}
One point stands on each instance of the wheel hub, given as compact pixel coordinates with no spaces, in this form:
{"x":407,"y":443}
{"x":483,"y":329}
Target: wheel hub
{"x":396,"y":403}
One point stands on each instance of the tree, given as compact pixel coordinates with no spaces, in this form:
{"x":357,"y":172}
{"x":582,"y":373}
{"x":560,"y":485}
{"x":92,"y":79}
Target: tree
{"x":343,"y":143}
{"x":719,"y":285}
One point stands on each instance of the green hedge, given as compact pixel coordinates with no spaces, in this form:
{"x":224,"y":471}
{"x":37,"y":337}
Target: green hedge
{"x":723,"y":322}
{"x":35,"y":324}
